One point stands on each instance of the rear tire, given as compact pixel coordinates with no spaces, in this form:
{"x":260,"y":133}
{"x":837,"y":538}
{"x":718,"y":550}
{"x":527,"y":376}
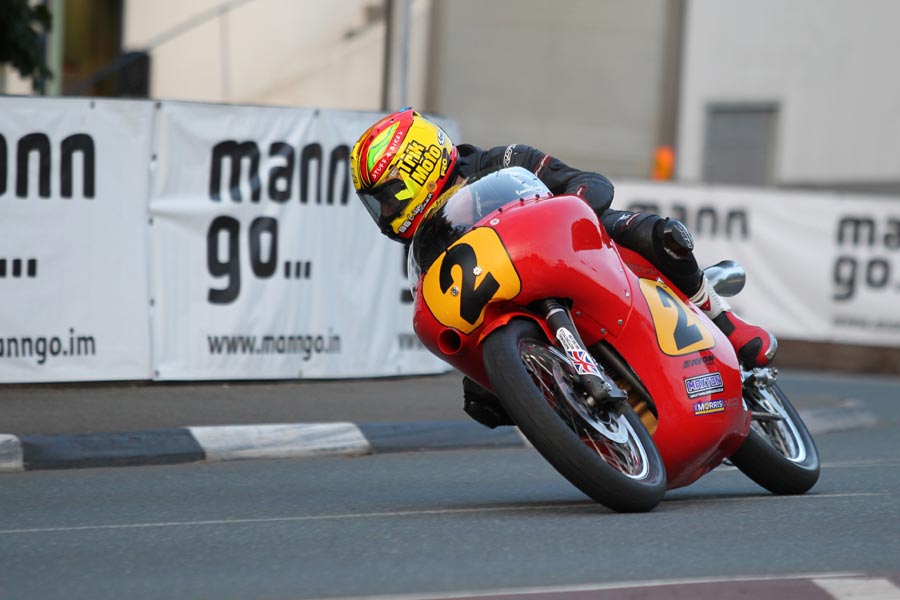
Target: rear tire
{"x":779,"y":455}
{"x":608,"y":456}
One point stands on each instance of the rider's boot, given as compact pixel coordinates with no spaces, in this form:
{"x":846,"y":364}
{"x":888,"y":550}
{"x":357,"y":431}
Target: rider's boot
{"x":754,"y":345}
{"x":483,"y":406}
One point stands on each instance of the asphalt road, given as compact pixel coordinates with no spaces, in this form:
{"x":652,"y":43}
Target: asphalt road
{"x":83,"y":408}
{"x":435,"y":522}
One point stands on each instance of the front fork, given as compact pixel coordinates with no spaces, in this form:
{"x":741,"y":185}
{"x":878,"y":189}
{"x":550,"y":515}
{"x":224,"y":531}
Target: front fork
{"x":600,"y":388}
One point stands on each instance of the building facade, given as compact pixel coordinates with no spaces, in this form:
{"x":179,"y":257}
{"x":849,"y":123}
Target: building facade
{"x":768,"y":93}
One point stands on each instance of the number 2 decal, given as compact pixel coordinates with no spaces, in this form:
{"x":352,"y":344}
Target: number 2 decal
{"x":472,"y":298}
{"x":467,"y":277}
{"x":678,"y":329}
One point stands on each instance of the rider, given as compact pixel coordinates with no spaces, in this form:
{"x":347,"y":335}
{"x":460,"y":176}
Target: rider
{"x":402,"y":163}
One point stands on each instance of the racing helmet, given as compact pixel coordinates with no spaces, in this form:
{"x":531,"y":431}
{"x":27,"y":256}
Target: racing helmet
{"x":399,"y":166}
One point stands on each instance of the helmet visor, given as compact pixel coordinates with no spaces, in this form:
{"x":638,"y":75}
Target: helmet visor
{"x":387,"y":201}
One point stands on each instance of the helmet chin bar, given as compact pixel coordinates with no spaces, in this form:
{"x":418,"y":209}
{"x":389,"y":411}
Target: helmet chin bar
{"x":385,"y":224}
{"x":387,"y":231}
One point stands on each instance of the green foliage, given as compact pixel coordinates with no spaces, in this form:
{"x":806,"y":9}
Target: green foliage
{"x":21,"y":29}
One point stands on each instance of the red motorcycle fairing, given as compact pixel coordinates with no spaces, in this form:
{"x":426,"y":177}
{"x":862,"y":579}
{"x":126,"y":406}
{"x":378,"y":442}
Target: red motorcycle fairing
{"x":555,"y":248}
{"x":691,"y":372}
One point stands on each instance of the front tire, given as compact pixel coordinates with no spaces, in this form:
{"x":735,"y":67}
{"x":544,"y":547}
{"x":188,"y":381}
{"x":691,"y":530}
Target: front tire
{"x":779,"y":453}
{"x":608,"y":456}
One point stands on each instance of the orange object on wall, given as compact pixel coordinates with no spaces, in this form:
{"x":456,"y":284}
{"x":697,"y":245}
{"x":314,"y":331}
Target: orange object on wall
{"x":663,"y":163}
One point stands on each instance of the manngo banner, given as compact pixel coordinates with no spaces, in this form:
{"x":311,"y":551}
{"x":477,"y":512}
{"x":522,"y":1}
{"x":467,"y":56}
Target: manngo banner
{"x":73,"y":251}
{"x":264,"y":263}
{"x":820,"y":266}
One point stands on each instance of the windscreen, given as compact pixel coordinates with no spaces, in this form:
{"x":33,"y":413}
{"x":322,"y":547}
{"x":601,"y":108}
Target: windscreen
{"x":465,"y":205}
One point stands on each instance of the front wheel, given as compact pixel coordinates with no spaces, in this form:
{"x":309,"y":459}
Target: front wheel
{"x":779,"y":453}
{"x":608,"y":456}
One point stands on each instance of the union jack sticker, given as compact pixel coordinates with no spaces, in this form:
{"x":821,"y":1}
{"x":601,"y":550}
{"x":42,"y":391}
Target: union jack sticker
{"x":584,"y":362}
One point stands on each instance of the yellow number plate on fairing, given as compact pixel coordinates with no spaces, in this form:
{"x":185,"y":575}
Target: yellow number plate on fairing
{"x":678,"y":330}
{"x":463,"y":280}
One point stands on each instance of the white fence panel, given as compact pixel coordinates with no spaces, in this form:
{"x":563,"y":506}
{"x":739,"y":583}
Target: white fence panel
{"x":73,"y":251}
{"x":264,"y":264}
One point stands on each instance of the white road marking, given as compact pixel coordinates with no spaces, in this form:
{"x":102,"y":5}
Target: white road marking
{"x":301,"y":518}
{"x":770,"y":498}
{"x":862,"y":464}
{"x":875,"y":463}
{"x":10,"y":454}
{"x":595,"y":587}
{"x":280,"y":440}
{"x":407,"y":513}
{"x":859,"y":588}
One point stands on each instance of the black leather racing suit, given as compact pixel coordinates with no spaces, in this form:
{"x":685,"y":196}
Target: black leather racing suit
{"x":644,"y":233}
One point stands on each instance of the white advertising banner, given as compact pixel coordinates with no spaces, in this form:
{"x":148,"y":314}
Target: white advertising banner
{"x":264,"y":263}
{"x":820,"y":266}
{"x":180,"y":241}
{"x":73,"y":253}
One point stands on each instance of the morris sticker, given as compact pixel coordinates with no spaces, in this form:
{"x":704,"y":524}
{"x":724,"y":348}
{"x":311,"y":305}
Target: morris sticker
{"x":709,"y":407}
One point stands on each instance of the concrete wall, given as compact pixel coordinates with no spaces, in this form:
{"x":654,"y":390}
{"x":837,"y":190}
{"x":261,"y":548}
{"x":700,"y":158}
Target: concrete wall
{"x":581,"y":79}
{"x":828,"y":64}
{"x":587,"y":80}
{"x":287,"y":52}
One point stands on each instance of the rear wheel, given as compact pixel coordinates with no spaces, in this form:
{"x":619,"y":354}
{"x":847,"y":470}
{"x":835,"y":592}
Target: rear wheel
{"x":779,"y":453}
{"x":607,"y":455}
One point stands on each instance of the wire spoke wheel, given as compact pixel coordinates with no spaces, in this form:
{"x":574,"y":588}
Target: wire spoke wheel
{"x":603,"y":430}
{"x":779,"y":453}
{"x":781,"y":432}
{"x":604,"y":451}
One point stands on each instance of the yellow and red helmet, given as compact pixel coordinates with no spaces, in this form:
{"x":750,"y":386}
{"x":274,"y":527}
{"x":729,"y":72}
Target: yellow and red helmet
{"x":399,"y":166}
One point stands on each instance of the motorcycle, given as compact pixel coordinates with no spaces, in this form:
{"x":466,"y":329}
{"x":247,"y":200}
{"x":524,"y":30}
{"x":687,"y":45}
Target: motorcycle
{"x":608,"y":370}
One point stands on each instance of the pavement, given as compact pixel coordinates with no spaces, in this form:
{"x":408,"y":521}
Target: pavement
{"x":57,"y":426}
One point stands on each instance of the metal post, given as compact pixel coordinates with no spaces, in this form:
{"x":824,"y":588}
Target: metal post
{"x":224,"y":55}
{"x":396,"y":54}
{"x":388,"y":42}
{"x":671,"y":88}
{"x":57,"y":44}
{"x":402,"y":82}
